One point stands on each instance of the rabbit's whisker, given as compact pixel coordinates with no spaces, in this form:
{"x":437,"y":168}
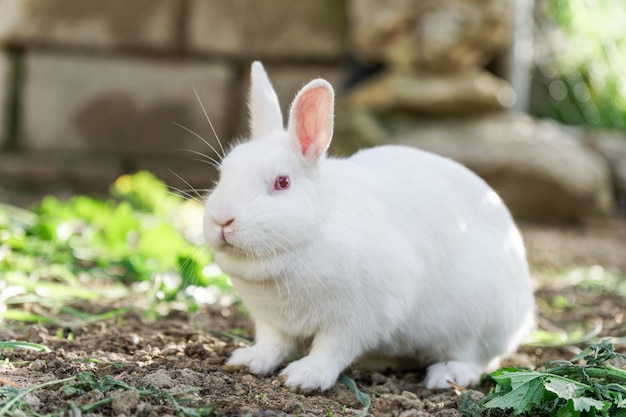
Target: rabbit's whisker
{"x":205,"y":158}
{"x":223,"y":154}
{"x":186,"y":192}
{"x":206,"y":142}
{"x":176,"y":192}
{"x":191,"y":187}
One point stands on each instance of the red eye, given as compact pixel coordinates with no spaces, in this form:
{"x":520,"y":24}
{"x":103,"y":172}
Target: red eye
{"x":281,"y":183}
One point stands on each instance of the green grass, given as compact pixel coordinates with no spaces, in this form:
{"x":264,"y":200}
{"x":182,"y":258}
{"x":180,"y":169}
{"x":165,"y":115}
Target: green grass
{"x":13,"y":397}
{"x":85,"y":382}
{"x":587,"y":279}
{"x":87,"y":248}
{"x":24,"y":345}
{"x":363,"y":398}
{"x":60,"y":254}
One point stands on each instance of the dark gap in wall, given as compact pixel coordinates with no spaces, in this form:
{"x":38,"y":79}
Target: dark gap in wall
{"x":128,"y":165}
{"x":182,"y":28}
{"x":237,"y":106}
{"x":12,"y":100}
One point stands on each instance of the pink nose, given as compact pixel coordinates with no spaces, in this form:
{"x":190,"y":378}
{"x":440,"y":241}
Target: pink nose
{"x":226,"y":223}
{"x":223,"y":226}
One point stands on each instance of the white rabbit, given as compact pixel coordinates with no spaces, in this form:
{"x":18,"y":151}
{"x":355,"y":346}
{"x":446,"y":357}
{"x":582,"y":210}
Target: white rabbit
{"x":393,"y":254}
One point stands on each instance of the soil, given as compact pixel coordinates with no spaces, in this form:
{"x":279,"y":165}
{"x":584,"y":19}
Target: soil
{"x":181,"y":354}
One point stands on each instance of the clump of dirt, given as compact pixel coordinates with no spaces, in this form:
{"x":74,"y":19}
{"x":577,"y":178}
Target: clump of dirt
{"x":177,"y":356}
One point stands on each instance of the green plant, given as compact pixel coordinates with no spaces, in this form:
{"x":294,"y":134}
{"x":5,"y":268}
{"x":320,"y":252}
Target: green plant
{"x":563,"y":388}
{"x":363,"y":398}
{"x":127,"y":238}
{"x":85,"y":382}
{"x":583,"y":82}
{"x":12,"y":397}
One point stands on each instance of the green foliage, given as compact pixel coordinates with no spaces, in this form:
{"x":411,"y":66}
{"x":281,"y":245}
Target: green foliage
{"x":128,"y":238}
{"x":564,"y":388}
{"x":363,"y":398}
{"x":145,"y":193}
{"x":584,"y":82}
{"x":11,"y":398}
{"x":87,"y":381}
{"x":24,"y":345}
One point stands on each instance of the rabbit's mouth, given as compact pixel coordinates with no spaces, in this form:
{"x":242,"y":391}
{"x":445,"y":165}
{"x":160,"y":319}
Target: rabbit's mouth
{"x":225,"y":245}
{"x":231,"y":249}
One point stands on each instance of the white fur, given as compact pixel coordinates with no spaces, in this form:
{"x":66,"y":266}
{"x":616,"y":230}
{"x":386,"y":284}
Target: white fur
{"x":393,"y":253}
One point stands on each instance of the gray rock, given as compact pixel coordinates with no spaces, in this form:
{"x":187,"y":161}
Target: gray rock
{"x":612,"y":145}
{"x":541,"y":171}
{"x":438,"y":36}
{"x":432,"y":94}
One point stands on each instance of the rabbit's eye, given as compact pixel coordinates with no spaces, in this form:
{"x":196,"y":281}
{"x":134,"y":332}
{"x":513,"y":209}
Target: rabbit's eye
{"x":281,"y":183}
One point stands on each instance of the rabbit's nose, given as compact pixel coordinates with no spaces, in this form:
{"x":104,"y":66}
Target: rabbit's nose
{"x":225,"y":223}
{"x":222,"y":225}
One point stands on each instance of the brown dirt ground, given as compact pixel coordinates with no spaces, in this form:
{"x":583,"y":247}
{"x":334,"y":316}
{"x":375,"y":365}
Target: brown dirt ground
{"x":177,"y":353}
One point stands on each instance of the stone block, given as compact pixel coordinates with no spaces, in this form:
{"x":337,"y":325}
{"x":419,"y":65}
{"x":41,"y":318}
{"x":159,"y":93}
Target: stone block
{"x":217,"y":26}
{"x":269,"y":28}
{"x":149,"y":24}
{"x":125,"y":105}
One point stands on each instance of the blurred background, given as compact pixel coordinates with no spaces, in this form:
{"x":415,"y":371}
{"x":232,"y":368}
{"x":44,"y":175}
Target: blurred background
{"x":530,"y":94}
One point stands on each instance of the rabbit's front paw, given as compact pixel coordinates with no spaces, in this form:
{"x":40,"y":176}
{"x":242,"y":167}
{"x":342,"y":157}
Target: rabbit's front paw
{"x":461,"y":373}
{"x":310,"y":373}
{"x":259,"y":361}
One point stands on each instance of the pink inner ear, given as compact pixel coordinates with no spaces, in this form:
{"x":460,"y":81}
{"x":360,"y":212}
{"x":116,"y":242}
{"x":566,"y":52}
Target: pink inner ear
{"x":312,"y":120}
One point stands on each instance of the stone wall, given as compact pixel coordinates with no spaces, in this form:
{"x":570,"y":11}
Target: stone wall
{"x":91,"y":89}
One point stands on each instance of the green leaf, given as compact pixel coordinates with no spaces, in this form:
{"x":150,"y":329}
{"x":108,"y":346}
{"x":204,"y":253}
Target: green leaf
{"x":88,"y":378}
{"x":108,"y":383}
{"x":567,"y":410}
{"x":89,"y":382}
{"x":587,"y":404}
{"x":24,"y":345}
{"x":19,"y":315}
{"x":597,"y":354}
{"x":513,"y":378}
{"x":527,"y":391}
{"x":467,"y":406}
{"x":565,"y":388}
{"x":363,"y":398}
{"x":618,"y":413}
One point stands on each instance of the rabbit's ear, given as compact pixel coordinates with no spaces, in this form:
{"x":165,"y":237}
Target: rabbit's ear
{"x":311,"y":119}
{"x":265,"y":114}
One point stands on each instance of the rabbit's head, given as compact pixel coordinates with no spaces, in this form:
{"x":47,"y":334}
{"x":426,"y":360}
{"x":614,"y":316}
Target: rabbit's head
{"x":268,"y":197}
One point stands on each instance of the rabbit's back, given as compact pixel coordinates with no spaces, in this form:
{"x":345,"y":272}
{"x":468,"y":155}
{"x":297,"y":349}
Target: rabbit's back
{"x":431,"y":196}
{"x":468,"y":245}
